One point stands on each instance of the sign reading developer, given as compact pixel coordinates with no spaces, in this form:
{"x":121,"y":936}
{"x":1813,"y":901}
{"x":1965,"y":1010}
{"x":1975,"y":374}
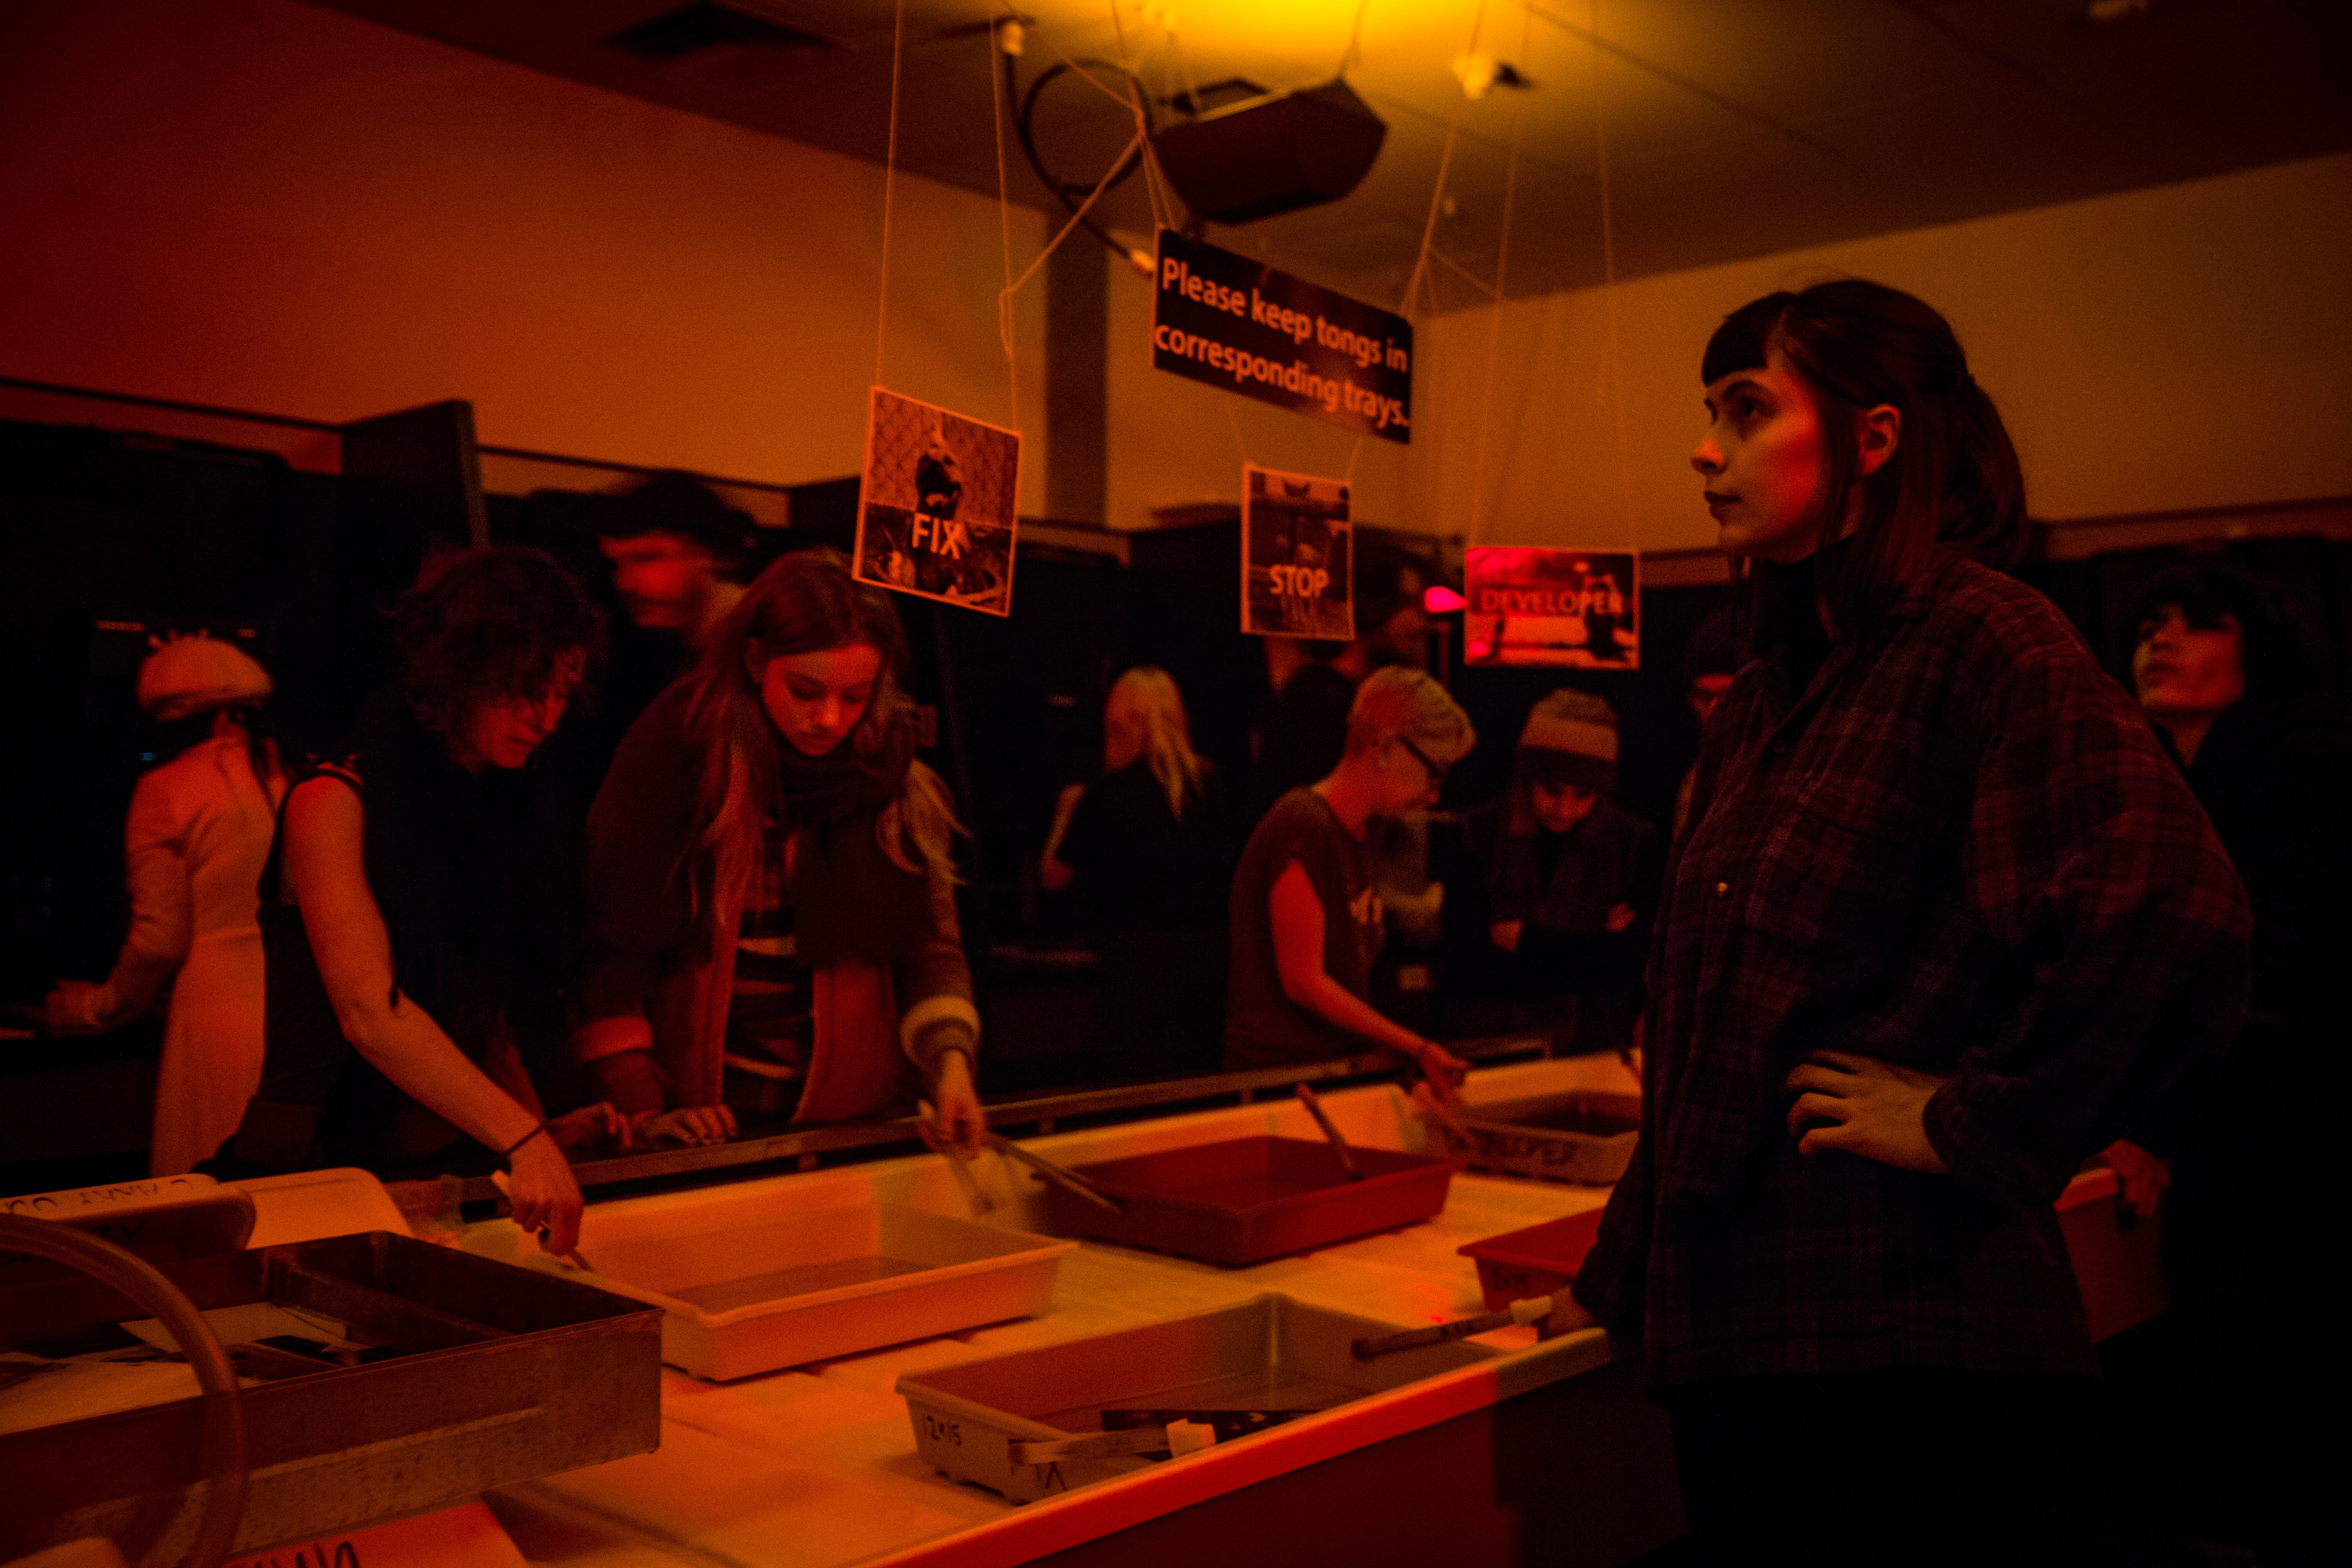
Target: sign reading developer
{"x":1531,"y":605}
{"x":1239,"y":324}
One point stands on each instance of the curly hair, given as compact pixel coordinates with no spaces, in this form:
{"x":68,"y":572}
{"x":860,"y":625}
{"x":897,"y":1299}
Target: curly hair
{"x":483,"y":625}
{"x":2278,"y":652}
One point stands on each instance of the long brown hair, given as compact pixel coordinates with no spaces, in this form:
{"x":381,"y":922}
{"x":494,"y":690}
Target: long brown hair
{"x":1954,"y":480}
{"x":805,"y":603}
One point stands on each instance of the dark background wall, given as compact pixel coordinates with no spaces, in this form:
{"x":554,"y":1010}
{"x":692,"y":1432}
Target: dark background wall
{"x":108,"y":536}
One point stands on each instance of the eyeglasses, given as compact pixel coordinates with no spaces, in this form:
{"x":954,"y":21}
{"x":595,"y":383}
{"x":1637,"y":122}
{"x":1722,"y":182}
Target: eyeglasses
{"x":1436,"y":772}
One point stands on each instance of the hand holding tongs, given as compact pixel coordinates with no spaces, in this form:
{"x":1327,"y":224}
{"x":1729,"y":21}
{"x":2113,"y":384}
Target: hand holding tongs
{"x":977,"y":1198}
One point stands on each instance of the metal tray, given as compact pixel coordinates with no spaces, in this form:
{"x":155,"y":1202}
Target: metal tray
{"x":1586,"y":1136}
{"x":1267,"y":1353}
{"x":499,"y":1375}
{"x":1248,"y":1199}
{"x":799,"y":1288}
{"x":1535,"y":1261}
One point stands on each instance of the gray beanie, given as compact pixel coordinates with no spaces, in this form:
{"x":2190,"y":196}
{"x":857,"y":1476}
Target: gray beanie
{"x":1571,"y":738}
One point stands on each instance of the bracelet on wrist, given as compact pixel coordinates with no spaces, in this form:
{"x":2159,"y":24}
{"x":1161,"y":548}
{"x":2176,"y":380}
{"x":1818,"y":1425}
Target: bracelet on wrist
{"x":509,"y":1152}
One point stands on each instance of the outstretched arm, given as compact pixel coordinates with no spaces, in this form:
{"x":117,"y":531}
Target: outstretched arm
{"x":1297,"y":918}
{"x":325,"y":827}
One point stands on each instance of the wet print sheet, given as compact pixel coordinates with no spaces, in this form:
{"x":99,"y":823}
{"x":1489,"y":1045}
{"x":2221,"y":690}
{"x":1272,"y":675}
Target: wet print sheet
{"x":1294,"y":556}
{"x":935,"y":505}
{"x":1528,"y":605}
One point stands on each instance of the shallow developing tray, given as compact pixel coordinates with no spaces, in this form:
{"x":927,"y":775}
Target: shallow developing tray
{"x":1269,"y":1355}
{"x":1248,"y":1199}
{"x":1586,"y":1136}
{"x":800,"y":1287}
{"x":480,"y":1374}
{"x":1535,"y":1261}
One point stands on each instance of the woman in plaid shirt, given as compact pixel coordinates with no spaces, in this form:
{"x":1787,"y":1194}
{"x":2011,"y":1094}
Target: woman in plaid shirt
{"x":1944,"y":921}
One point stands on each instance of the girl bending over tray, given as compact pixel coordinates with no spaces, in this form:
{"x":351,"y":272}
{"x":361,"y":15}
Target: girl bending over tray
{"x":771,"y":927}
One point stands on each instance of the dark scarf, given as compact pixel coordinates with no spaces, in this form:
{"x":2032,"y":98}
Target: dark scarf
{"x":840,"y":913}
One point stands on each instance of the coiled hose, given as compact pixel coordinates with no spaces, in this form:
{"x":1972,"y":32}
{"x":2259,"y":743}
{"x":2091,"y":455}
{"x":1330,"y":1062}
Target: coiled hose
{"x":224,"y":1440}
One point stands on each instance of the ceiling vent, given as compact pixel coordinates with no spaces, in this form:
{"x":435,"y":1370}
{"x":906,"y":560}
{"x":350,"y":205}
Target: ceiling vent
{"x":708,"y":25}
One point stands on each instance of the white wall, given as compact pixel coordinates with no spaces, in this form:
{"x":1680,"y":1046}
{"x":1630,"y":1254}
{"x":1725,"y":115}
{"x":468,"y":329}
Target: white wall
{"x":268,"y":206}
{"x":2163,"y":349}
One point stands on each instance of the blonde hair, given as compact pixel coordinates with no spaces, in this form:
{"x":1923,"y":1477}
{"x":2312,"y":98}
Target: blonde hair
{"x":804,"y":602}
{"x":1398,"y":701}
{"x":1144,"y":717}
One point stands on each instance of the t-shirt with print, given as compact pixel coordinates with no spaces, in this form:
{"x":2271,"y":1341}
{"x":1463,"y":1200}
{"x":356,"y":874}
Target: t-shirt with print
{"x":1262,"y":1026}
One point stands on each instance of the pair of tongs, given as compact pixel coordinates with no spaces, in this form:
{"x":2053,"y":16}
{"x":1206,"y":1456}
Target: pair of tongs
{"x":1060,"y":1175}
{"x":977,"y":1199}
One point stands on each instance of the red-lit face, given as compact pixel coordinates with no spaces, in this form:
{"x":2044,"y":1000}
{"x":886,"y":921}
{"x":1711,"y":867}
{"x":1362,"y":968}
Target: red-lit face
{"x":1762,"y":460}
{"x":504,"y":732}
{"x":1560,"y":807}
{"x":2189,"y":672}
{"x":664,"y":579}
{"x":816,"y":698}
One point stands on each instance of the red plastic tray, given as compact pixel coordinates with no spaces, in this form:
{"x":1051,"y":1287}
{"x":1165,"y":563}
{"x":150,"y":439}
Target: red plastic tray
{"x":1535,"y":1261}
{"x":1248,"y":1199}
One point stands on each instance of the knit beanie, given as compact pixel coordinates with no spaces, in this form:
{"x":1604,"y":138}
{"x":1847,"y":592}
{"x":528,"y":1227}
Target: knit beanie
{"x":1570,"y":739}
{"x":197,"y":674}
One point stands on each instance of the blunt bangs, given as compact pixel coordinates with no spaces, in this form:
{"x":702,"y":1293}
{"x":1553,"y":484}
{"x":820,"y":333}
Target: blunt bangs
{"x":1741,"y":341}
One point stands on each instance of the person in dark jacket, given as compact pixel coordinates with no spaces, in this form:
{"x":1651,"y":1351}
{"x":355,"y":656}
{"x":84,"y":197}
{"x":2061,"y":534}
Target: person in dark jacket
{"x":2233,"y":687}
{"x":1945,"y":921}
{"x":1148,"y":844}
{"x":1572,"y":880}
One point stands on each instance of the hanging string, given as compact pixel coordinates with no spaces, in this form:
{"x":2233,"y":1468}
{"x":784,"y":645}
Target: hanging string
{"x":1355,"y":55}
{"x":1004,"y":332}
{"x":1234,"y":422}
{"x":1092,"y":196}
{"x":1495,"y":321}
{"x":1444,"y":163}
{"x":1609,"y":286}
{"x":889,"y":177}
{"x":1162,"y":209}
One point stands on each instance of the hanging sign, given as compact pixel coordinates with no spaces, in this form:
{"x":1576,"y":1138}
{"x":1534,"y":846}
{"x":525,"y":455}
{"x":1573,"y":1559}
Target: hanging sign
{"x":1294,"y":556}
{"x":1529,"y":605}
{"x":935,"y":505}
{"x":1239,"y":324}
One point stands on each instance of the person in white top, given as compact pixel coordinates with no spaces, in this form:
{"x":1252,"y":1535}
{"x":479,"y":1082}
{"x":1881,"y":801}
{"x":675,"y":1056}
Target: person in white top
{"x":194,"y":842}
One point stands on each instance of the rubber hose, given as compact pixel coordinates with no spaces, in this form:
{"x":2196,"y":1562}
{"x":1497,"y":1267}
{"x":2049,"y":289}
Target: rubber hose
{"x":223,"y":1438}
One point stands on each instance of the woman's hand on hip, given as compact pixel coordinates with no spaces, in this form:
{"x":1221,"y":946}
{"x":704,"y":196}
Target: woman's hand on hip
{"x":1864,"y":1107}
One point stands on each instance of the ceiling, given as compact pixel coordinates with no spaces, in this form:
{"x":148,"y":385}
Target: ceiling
{"x":1727,"y":128}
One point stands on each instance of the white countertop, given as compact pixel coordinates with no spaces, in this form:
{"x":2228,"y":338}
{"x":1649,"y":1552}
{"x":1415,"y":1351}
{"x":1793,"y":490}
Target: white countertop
{"x":815,"y":1467}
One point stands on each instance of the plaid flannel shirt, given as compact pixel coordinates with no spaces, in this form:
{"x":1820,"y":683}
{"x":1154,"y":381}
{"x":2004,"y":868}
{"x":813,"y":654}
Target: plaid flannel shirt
{"x":1958,"y":850}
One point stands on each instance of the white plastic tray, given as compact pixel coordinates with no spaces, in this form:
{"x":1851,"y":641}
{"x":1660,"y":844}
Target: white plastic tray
{"x":794,"y":1289}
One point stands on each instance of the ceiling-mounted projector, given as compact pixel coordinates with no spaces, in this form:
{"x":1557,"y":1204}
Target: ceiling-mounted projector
{"x":1272,"y":154}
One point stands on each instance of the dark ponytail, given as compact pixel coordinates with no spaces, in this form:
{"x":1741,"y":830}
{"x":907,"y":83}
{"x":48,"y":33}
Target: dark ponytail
{"x":1953,"y":483}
